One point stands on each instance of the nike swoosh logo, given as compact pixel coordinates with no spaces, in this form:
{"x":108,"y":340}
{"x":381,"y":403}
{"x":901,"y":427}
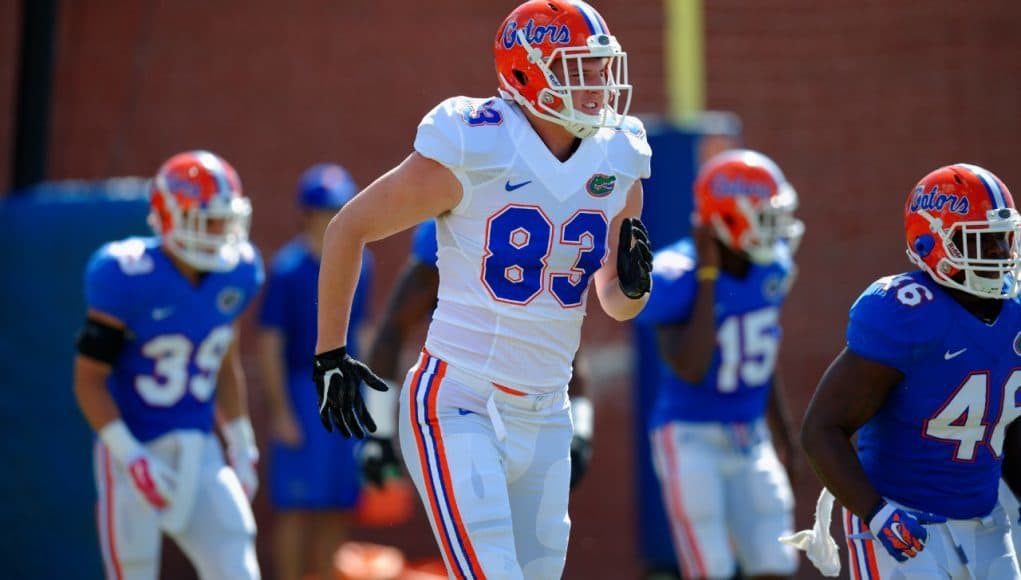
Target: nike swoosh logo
{"x":895,"y":528}
{"x":512,"y":186}
{"x":949,"y":355}
{"x":462,"y":412}
{"x":161,"y":313}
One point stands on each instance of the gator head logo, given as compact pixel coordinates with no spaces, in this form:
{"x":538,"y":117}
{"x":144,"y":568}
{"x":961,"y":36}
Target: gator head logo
{"x":600,"y":185}
{"x":229,"y":299}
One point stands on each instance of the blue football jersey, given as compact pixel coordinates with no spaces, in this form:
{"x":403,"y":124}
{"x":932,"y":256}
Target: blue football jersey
{"x":289,"y":304}
{"x":165,"y":377}
{"x":423,"y":243}
{"x":936,"y":444}
{"x":736,"y":386}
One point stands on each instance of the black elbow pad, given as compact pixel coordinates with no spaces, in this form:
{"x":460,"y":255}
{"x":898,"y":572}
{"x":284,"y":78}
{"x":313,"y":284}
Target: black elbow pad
{"x":100,"y":341}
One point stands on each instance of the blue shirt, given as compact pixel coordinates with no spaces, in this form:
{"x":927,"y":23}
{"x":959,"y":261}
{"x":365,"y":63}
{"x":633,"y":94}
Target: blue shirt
{"x":165,"y":376}
{"x":424,"y":246}
{"x":290,"y":303}
{"x":747,"y":317}
{"x":936,"y":443}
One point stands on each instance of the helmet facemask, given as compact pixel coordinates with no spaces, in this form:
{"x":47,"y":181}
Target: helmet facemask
{"x":767,"y":222}
{"x":555,"y":101}
{"x":967,"y":246}
{"x":208,"y":239}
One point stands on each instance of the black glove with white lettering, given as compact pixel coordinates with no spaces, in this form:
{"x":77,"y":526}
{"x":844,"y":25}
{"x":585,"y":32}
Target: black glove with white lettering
{"x":634,"y":259}
{"x":338,"y":378}
{"x":378,"y":460}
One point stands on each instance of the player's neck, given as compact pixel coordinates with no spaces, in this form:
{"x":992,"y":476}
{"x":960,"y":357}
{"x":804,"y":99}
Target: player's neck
{"x":561,"y":142}
{"x":190,"y":273}
{"x":985,"y":309}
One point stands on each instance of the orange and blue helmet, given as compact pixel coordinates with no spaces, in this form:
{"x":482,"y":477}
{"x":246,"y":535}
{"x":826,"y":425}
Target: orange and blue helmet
{"x":197,"y":207}
{"x":325,"y":186}
{"x":541,"y":38}
{"x":963,"y":229}
{"x":749,"y":203}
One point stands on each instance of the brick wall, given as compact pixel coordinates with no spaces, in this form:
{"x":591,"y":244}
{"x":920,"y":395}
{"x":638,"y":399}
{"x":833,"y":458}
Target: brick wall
{"x":855,"y":100}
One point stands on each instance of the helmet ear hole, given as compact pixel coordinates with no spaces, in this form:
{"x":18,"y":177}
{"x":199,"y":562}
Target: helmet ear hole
{"x":924,"y":244}
{"x":520,"y":76}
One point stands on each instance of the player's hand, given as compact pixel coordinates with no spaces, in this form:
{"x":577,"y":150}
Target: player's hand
{"x":150,"y":476}
{"x":246,"y":466}
{"x":378,"y":460}
{"x":900,"y":531}
{"x":286,"y":429}
{"x":338,"y":378}
{"x":243,"y":454}
{"x":634,"y":259}
{"x":581,"y":454}
{"x":707,"y":248}
{"x":153,"y":479}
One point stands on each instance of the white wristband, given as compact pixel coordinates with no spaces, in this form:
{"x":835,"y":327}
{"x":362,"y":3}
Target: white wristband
{"x":121,"y":443}
{"x":879,"y":518}
{"x":383,"y":408}
{"x":240,"y":435}
{"x":583,"y":416}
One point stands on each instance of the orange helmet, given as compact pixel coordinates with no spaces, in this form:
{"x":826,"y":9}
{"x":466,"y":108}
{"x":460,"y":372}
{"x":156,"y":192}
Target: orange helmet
{"x":541,"y":36}
{"x":196,"y":205}
{"x":749,"y":203}
{"x":961,"y":218}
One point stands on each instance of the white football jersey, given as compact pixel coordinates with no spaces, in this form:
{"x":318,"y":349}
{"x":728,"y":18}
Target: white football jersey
{"x":516,"y":255}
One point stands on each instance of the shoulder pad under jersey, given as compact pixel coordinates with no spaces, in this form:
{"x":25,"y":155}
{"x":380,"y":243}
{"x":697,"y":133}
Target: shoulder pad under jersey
{"x":628,"y":149}
{"x":461,"y":132}
{"x":111,"y":272}
{"x":897,"y":318}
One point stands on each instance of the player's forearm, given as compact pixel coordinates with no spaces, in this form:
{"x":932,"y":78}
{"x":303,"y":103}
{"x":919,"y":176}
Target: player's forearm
{"x":386,"y":350}
{"x":616,"y":304}
{"x":90,"y":390}
{"x":338,"y":277}
{"x":688,"y":349}
{"x":231,"y":391}
{"x":1012,"y":457}
{"x":835,"y":462}
{"x":271,"y":363}
{"x":778,"y":414}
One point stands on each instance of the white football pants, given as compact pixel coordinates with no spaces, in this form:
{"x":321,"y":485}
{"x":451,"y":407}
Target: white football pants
{"x":216,"y":529}
{"x":492,"y":467}
{"x":972,"y":549}
{"x":724,"y":486}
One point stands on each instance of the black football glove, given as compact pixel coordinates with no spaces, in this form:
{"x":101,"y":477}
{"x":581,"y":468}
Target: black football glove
{"x":338,"y":378}
{"x":378,"y":460}
{"x":634,"y":259}
{"x":581,"y":453}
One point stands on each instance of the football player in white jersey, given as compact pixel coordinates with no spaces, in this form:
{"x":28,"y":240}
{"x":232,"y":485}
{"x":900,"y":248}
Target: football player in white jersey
{"x":534,"y":192}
